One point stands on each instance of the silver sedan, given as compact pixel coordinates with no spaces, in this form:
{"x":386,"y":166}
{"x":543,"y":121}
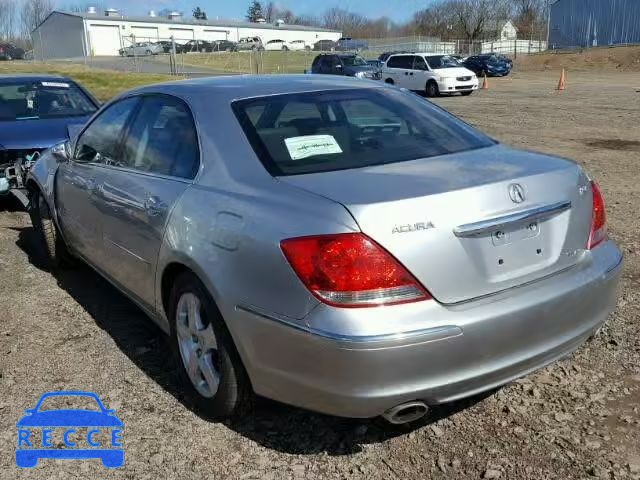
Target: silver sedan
{"x":331,"y":243}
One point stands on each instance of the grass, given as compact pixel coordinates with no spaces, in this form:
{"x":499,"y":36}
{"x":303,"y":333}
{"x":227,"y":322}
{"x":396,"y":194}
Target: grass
{"x":251,"y":62}
{"x":104,"y":84}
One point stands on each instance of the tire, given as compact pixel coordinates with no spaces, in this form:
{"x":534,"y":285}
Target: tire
{"x":431,"y":90}
{"x":148,"y":52}
{"x":466,"y":94}
{"x":8,"y":57}
{"x":285,"y":48}
{"x":55,"y":253}
{"x":199,"y":336}
{"x":389,"y":81}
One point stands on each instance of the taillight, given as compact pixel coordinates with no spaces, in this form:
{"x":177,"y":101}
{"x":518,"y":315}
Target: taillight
{"x":598,"y":232}
{"x":351,"y":270}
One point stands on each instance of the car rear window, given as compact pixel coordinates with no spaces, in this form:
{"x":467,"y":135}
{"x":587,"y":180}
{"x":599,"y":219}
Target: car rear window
{"x":323,"y":131}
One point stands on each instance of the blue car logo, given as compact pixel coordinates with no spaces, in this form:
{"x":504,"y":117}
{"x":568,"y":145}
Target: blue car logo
{"x":32,"y":447}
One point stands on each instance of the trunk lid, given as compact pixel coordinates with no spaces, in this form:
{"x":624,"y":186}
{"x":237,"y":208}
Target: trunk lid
{"x":451,"y":222}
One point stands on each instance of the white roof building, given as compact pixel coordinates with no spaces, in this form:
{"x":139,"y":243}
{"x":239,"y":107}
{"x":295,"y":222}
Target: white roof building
{"x":67,"y":35}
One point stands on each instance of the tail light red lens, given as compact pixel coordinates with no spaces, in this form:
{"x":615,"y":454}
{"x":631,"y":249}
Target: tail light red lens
{"x":598,"y":232}
{"x":351,"y":270}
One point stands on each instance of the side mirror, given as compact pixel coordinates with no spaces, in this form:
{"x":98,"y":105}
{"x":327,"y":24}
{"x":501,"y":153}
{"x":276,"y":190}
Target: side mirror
{"x":61,"y":152}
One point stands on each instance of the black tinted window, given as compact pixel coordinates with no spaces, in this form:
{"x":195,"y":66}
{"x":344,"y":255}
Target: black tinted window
{"x":99,"y":142}
{"x":333,"y":130}
{"x":162,"y":139}
{"x":401,"y":61}
{"x":419,"y":63}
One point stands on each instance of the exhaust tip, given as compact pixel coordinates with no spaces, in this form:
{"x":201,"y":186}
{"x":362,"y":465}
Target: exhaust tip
{"x":406,"y":412}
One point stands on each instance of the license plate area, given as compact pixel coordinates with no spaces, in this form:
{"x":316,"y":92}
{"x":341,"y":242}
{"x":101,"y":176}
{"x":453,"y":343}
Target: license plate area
{"x":509,"y":235}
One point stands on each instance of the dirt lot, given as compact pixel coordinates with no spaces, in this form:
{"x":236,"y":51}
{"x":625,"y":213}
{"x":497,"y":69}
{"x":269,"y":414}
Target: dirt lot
{"x":579,"y":418}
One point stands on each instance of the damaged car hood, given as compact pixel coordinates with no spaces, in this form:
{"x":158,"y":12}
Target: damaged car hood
{"x":36,"y":133}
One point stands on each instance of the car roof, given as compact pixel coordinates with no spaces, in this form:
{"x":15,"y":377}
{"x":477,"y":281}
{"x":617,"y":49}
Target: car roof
{"x":30,"y":77}
{"x":236,"y":87}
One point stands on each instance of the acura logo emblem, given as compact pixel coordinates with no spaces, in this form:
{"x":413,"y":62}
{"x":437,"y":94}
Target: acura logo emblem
{"x":516,"y":193}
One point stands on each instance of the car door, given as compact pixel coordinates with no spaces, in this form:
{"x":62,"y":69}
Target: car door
{"x":421,"y":73}
{"x":400,"y":67}
{"x":159,"y":160}
{"x":77,"y":180}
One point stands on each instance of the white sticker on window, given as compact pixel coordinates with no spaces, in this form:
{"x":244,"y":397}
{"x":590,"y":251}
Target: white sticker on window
{"x":311,"y":145}
{"x":55,"y":84}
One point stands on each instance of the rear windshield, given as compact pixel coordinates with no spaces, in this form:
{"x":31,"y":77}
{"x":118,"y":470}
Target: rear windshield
{"x":29,"y":100}
{"x":323,"y":131}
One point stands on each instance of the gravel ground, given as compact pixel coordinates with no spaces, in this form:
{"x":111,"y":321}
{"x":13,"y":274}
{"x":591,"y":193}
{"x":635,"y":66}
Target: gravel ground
{"x":578,"y":418}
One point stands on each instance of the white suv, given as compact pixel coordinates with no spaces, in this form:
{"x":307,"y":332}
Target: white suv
{"x":429,"y":73}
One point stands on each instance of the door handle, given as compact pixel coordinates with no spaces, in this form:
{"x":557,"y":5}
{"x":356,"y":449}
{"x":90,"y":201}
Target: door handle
{"x":154,"y":206}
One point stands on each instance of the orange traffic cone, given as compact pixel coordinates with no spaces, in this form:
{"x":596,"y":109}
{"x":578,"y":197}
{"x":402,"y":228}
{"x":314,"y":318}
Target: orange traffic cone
{"x":561,"y":82}
{"x":485,"y":83}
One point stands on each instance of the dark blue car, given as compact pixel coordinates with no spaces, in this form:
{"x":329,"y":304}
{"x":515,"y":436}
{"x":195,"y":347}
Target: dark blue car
{"x":490,"y":65}
{"x":29,"y":452}
{"x":35,"y":113}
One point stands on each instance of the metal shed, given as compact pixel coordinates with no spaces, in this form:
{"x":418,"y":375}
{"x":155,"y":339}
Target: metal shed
{"x":593,"y":23}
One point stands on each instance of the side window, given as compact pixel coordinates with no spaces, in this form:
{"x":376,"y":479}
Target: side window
{"x":401,"y":61}
{"x":435,"y":62}
{"x":99,"y":142}
{"x":162,"y":139}
{"x":419,"y":63}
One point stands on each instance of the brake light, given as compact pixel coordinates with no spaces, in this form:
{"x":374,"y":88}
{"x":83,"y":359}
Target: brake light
{"x":351,"y":270}
{"x":598,"y":232}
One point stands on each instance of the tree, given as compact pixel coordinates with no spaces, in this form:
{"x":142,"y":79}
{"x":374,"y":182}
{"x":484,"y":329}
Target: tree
{"x":271,"y":12}
{"x":348,"y":22}
{"x":254,"y":12}
{"x":8,"y":9}
{"x":476,"y":18}
{"x":33,"y":13}
{"x":199,"y":14}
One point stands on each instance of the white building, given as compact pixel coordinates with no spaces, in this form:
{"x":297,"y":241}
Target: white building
{"x":508,"y":31}
{"x":68,"y":35}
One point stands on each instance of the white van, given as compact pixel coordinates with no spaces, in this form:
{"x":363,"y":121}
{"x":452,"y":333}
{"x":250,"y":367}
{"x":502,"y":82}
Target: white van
{"x":430,"y":73}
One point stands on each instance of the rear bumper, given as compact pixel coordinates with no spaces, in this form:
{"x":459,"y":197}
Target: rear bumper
{"x":450,"y":352}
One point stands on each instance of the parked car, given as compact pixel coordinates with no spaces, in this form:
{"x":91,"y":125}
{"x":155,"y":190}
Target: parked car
{"x":489,"y":64}
{"x":36,"y":112}
{"x":9,"y":51}
{"x":194,"y":46}
{"x":348,"y":44}
{"x":277,"y":45}
{"x":432,"y":74}
{"x":141,"y":49}
{"x":350,"y":65}
{"x":249,"y":43}
{"x":324,"y":46}
{"x":223,"y":46}
{"x":298,"y":45}
{"x":165,"y":45}
{"x":402,"y":258}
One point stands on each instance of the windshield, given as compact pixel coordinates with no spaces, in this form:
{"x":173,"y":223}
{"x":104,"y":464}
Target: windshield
{"x":442,"y":61}
{"x":333,"y":130}
{"x":32,"y":100}
{"x":354,"y":61}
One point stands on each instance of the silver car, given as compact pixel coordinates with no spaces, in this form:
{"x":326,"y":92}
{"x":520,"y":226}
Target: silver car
{"x":141,"y":49}
{"x":331,"y":243}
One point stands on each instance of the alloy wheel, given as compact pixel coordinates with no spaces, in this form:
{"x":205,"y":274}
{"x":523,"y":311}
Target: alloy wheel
{"x":198,"y":346}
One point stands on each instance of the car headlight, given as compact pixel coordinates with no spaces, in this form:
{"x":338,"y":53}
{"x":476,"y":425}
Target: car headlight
{"x":443,"y":79}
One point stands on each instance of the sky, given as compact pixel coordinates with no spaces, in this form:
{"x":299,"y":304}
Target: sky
{"x":397,"y":10}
